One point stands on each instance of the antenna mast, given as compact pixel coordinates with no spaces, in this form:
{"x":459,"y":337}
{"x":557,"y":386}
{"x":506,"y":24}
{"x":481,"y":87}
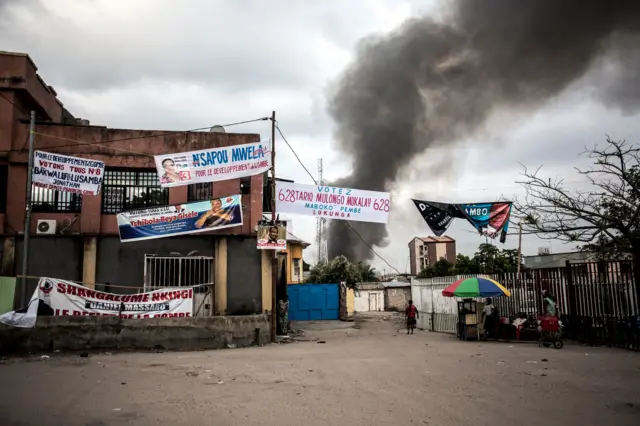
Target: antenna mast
{"x":321,"y":232}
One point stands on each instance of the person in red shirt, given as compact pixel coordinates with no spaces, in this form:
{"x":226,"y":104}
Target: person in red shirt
{"x":412,"y":314}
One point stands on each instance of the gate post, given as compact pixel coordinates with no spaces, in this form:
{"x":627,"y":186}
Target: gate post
{"x":571,"y":294}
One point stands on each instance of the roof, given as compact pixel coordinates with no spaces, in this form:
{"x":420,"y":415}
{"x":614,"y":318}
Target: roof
{"x":293,"y":239}
{"x":396,"y":284}
{"x":443,"y":239}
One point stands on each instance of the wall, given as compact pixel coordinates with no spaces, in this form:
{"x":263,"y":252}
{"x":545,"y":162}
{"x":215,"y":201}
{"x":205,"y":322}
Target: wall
{"x":414,"y":260}
{"x":362,"y":303}
{"x":244,"y":276}
{"x":351,"y":303}
{"x":117,"y":154}
{"x":80,"y":333}
{"x":123,"y":263}
{"x":294,"y":251}
{"x":50,"y":256}
{"x":396,"y":298}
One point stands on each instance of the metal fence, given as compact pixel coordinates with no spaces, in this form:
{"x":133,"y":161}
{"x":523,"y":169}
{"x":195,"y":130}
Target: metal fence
{"x":183,"y":271}
{"x":597,"y":301}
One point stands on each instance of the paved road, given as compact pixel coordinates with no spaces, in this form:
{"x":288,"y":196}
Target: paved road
{"x":368,"y":376}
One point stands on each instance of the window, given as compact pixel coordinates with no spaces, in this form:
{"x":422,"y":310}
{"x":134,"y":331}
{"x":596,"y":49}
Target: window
{"x":200,"y":191}
{"x":126,"y":189}
{"x":245,"y":185}
{"x":296,"y":270}
{"x":51,"y":201}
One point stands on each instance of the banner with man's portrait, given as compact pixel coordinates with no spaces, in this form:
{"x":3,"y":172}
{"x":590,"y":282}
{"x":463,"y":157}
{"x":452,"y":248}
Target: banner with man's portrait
{"x":272,"y":235}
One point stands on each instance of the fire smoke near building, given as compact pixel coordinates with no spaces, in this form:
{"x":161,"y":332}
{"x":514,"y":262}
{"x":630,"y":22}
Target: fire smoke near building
{"x":432,"y":83}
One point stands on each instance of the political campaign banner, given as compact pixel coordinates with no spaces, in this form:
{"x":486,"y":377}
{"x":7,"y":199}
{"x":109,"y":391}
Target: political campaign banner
{"x":490,"y":219}
{"x":54,"y":297}
{"x":64,"y":173}
{"x":332,"y":202}
{"x":210,"y":165}
{"x":180,"y":219}
{"x":272,"y":235}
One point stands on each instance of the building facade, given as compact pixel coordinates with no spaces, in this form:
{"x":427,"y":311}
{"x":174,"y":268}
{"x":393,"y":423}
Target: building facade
{"x":396,"y":295}
{"x":426,"y":251}
{"x":85,"y":245}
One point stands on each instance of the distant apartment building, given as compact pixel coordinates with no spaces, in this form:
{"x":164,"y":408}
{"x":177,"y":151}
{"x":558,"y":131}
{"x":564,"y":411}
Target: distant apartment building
{"x":425,"y":251}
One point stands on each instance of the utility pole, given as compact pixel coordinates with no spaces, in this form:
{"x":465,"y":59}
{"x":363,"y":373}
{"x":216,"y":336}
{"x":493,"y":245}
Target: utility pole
{"x":320,"y":224}
{"x":274,"y":260}
{"x":519,"y":246}
{"x":27,"y":216}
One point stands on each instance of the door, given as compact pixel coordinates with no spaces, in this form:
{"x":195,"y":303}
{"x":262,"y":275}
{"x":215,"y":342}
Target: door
{"x":313,"y":302}
{"x":373,"y":302}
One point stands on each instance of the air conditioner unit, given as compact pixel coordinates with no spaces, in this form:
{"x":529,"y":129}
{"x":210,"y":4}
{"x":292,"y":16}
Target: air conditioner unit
{"x":46,"y":227}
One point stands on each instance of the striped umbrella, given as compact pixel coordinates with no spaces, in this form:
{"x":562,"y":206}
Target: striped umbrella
{"x":476,"y":287}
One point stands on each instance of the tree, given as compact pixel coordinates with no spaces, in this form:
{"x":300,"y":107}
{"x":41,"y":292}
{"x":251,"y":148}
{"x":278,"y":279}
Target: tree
{"x":465,"y":265}
{"x":603,"y":219}
{"x":366,"y":273}
{"x":442,"y":268}
{"x":485,"y":258}
{"x":305,"y":266}
{"x":341,"y":269}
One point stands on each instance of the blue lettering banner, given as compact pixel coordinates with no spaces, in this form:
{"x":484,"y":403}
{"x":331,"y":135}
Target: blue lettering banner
{"x":210,"y":165}
{"x":190,"y":218}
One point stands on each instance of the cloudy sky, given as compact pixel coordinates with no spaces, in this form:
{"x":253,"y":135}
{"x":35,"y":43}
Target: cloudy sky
{"x":154,"y":64}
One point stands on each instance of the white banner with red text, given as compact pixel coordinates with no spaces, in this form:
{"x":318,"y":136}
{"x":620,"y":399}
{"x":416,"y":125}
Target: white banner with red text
{"x":333,"y":203}
{"x":54,"y":297}
{"x":64,"y":173}
{"x":211,"y":165}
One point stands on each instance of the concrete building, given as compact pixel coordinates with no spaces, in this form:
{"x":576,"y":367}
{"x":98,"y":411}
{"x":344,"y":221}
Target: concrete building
{"x":294,"y":254}
{"x":426,"y":251}
{"x":396,"y":295}
{"x":83,"y":244}
{"x":369,"y":297}
{"x":556,"y":260}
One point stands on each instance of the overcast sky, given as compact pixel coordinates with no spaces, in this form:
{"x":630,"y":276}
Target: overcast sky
{"x":152,"y":64}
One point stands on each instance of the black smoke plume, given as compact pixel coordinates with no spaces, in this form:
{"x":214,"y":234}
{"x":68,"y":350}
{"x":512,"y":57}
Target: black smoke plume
{"x":433,"y":83}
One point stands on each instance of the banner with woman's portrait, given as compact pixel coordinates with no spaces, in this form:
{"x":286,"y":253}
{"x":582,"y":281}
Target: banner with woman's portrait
{"x":211,"y":165}
{"x":180,"y":219}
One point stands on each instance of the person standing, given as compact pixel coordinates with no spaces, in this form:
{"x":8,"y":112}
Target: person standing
{"x":283,"y":315}
{"x":412,"y":313}
{"x":488,"y":317}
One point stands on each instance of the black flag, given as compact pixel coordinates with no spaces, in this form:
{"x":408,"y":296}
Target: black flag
{"x":437,"y":215}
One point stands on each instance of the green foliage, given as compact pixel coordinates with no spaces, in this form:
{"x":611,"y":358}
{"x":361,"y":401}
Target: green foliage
{"x":489,"y":259}
{"x":341,"y":269}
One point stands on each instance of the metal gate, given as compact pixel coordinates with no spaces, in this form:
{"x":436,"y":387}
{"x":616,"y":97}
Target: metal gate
{"x":183,"y":271}
{"x":313,"y":302}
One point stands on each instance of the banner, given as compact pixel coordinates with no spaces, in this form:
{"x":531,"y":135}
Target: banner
{"x":272,"y":236}
{"x":64,"y":173}
{"x":190,"y":218}
{"x":54,"y":297}
{"x":332,"y":202}
{"x":210,"y":165}
{"x":490,"y":219}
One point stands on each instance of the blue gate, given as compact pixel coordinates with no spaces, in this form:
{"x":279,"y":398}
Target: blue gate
{"x":312,"y":302}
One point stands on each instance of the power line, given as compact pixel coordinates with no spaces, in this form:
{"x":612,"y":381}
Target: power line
{"x":81,"y":143}
{"x":347,"y":222}
{"x":296,"y":155}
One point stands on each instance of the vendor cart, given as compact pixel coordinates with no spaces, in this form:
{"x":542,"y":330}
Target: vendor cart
{"x":468,"y":327}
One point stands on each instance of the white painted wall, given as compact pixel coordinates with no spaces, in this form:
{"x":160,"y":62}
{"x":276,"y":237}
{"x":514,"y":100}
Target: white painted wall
{"x":365,"y":298}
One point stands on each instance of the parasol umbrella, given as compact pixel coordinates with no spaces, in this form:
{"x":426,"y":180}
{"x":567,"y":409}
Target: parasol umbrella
{"x":476,"y":287}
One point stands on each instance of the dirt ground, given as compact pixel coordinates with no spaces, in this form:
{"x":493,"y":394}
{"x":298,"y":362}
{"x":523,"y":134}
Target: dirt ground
{"x":374,"y":375}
